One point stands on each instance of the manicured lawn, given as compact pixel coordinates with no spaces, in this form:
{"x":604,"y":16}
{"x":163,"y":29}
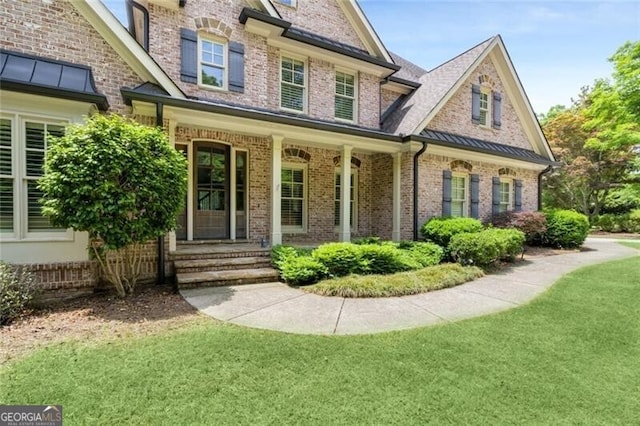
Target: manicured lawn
{"x":399,"y":284}
{"x":570,"y":357}
{"x":632,"y":244}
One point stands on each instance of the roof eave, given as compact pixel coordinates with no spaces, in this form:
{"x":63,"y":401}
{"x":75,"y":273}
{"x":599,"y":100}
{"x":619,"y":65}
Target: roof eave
{"x":36,"y":89}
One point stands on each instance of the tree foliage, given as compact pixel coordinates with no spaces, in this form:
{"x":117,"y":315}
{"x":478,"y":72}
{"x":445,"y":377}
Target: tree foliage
{"x":119,"y":181}
{"x":597,"y":139}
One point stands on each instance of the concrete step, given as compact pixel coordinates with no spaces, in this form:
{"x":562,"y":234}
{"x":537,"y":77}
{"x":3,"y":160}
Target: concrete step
{"x":226,"y":277}
{"x":219,"y":264}
{"x":199,"y":253}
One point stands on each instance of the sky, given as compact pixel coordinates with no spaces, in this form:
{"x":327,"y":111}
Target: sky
{"x":557,"y":47}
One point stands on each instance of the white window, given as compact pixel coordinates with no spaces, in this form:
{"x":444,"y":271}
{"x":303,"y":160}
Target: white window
{"x":506,"y":195}
{"x":353,"y":191}
{"x":292,"y":84}
{"x":23,"y":145}
{"x":293,"y":205}
{"x":212,"y":65}
{"x":459,"y":195}
{"x":485,"y":106}
{"x":345,"y":102}
{"x":290,"y":3}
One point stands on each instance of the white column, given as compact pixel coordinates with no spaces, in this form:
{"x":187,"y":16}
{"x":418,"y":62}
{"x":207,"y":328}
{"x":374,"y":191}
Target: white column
{"x":172,"y":141}
{"x":345,"y":194}
{"x":232,"y":195}
{"x":396,"y":234}
{"x":191,"y":207}
{"x":276,"y":189}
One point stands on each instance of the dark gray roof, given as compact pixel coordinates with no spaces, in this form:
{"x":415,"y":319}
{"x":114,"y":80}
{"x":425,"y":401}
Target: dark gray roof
{"x":409,"y":70}
{"x":49,"y":77}
{"x":479,"y":145}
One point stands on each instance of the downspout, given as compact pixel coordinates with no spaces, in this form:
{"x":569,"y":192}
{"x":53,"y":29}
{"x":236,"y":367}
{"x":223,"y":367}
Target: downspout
{"x":416,"y":186}
{"x":542,"y":173}
{"x":161,"y":262}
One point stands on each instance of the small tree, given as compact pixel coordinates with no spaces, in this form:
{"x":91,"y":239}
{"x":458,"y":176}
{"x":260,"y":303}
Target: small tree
{"x":121,"y":182}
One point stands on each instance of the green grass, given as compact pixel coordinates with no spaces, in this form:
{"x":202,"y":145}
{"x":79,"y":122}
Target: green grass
{"x":400,"y":284}
{"x":632,"y":244}
{"x":570,"y":357}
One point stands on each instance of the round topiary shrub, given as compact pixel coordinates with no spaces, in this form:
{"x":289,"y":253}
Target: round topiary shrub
{"x":339,"y":258}
{"x":566,"y":228}
{"x":440,"y":229}
{"x":486,"y":247}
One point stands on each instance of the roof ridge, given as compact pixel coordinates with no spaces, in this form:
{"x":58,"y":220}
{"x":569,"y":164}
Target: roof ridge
{"x":464,"y":53}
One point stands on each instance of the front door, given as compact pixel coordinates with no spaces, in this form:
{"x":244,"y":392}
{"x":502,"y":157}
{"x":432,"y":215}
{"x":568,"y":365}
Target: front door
{"x":211,"y":215}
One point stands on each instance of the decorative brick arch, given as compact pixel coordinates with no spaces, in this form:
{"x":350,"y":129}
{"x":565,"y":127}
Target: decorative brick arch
{"x":486,"y":80}
{"x":506,"y":171}
{"x":296,"y":153}
{"x":461,"y":166}
{"x":355,"y":162}
{"x":214,"y":26}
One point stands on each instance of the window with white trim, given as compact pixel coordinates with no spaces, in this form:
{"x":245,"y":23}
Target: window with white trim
{"x":506,"y":195}
{"x":292,"y":84}
{"x":212,"y":64}
{"x":485,"y":106}
{"x":345,"y":96}
{"x":293,"y":205}
{"x":290,"y":3}
{"x":459,"y":195}
{"x":353,"y":191}
{"x":23,"y":145}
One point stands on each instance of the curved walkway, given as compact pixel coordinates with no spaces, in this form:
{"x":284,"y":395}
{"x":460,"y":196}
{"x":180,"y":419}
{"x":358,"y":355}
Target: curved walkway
{"x":276,"y":306}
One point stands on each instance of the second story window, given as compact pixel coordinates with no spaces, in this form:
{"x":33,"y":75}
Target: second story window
{"x":484,"y":107}
{"x":345,"y":96}
{"x":292,"y":84}
{"x":212,"y":63}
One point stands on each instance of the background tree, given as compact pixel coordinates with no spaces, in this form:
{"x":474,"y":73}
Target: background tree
{"x":597,"y":139}
{"x":121,"y":182}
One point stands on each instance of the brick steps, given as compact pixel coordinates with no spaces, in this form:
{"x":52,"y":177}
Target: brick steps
{"x":226,"y":277}
{"x":209,"y":265}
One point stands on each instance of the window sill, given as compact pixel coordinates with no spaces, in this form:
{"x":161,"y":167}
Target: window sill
{"x":293,"y":111}
{"x":212,"y":88}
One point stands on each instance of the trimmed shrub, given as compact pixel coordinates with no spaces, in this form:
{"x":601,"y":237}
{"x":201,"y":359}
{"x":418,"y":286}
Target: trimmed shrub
{"x":17,"y":289}
{"x":339,"y":258}
{"x":281,"y":253}
{"x":486,"y":247}
{"x":367,"y":240}
{"x":384,"y":259}
{"x":426,"y":254}
{"x":628,"y":222}
{"x":566,"y":228}
{"x":533,"y":224}
{"x":302,"y":270}
{"x":440,"y":229}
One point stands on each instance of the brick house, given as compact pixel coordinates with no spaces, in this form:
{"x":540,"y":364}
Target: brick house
{"x":285,"y":110}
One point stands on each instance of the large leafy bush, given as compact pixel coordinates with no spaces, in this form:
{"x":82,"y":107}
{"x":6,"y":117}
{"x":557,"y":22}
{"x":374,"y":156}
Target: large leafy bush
{"x":17,"y":289}
{"x":426,"y":254}
{"x":566,"y":228}
{"x":120,"y":181}
{"x":302,"y":270}
{"x":625,"y":222}
{"x":339,"y":258}
{"x":486,"y":247}
{"x":440,"y":229}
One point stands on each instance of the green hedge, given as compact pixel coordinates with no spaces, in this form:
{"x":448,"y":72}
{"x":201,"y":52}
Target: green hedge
{"x":17,"y":289}
{"x":486,"y":247}
{"x":439,"y":230}
{"x":566,"y":228}
{"x":339,"y":258}
{"x":426,"y":254}
{"x":626,"y":222}
{"x":302,"y":270}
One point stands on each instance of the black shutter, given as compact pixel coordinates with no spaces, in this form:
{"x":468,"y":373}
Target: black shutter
{"x":236,"y":67}
{"x":189,"y":56}
{"x":475,"y":104}
{"x":446,"y":193}
{"x":475,"y":196}
{"x":518,"y":195}
{"x":495,"y":196}
{"x":497,"y":110}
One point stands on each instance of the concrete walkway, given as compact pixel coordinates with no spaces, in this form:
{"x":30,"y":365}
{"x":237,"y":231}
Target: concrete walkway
{"x":276,"y":306}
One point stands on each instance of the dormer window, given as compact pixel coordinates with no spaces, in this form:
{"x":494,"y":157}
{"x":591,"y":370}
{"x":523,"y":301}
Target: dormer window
{"x":213,"y":63}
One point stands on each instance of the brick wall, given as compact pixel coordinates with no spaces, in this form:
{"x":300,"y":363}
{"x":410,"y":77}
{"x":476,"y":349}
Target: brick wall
{"x":455,"y":116}
{"x":56,"y":30}
{"x":262,"y":62}
{"x":387,"y":98}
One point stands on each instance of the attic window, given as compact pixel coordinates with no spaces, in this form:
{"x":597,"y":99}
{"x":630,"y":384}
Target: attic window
{"x":138,"y":18}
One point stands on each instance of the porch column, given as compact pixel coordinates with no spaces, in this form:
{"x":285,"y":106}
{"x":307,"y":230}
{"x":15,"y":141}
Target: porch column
{"x":232,"y":194}
{"x":276,"y":189}
{"x":396,"y":234}
{"x":345,"y":194}
{"x":172,"y":141}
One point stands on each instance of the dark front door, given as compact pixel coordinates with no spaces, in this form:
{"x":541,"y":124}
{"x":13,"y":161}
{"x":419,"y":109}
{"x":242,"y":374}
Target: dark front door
{"x":211,"y":211}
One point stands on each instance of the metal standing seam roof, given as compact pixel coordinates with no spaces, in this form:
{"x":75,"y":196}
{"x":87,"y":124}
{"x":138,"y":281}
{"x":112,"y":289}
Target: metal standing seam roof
{"x":49,"y":77}
{"x":479,"y":145}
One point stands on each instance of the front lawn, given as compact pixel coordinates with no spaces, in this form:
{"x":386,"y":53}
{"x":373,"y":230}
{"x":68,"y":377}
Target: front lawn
{"x":570,"y":357}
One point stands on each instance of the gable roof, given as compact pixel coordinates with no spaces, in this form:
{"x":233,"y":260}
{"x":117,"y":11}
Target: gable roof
{"x":442,"y":82}
{"x":114,"y":33}
{"x":409,"y":70}
{"x":49,"y":77}
{"x":436,"y":84}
